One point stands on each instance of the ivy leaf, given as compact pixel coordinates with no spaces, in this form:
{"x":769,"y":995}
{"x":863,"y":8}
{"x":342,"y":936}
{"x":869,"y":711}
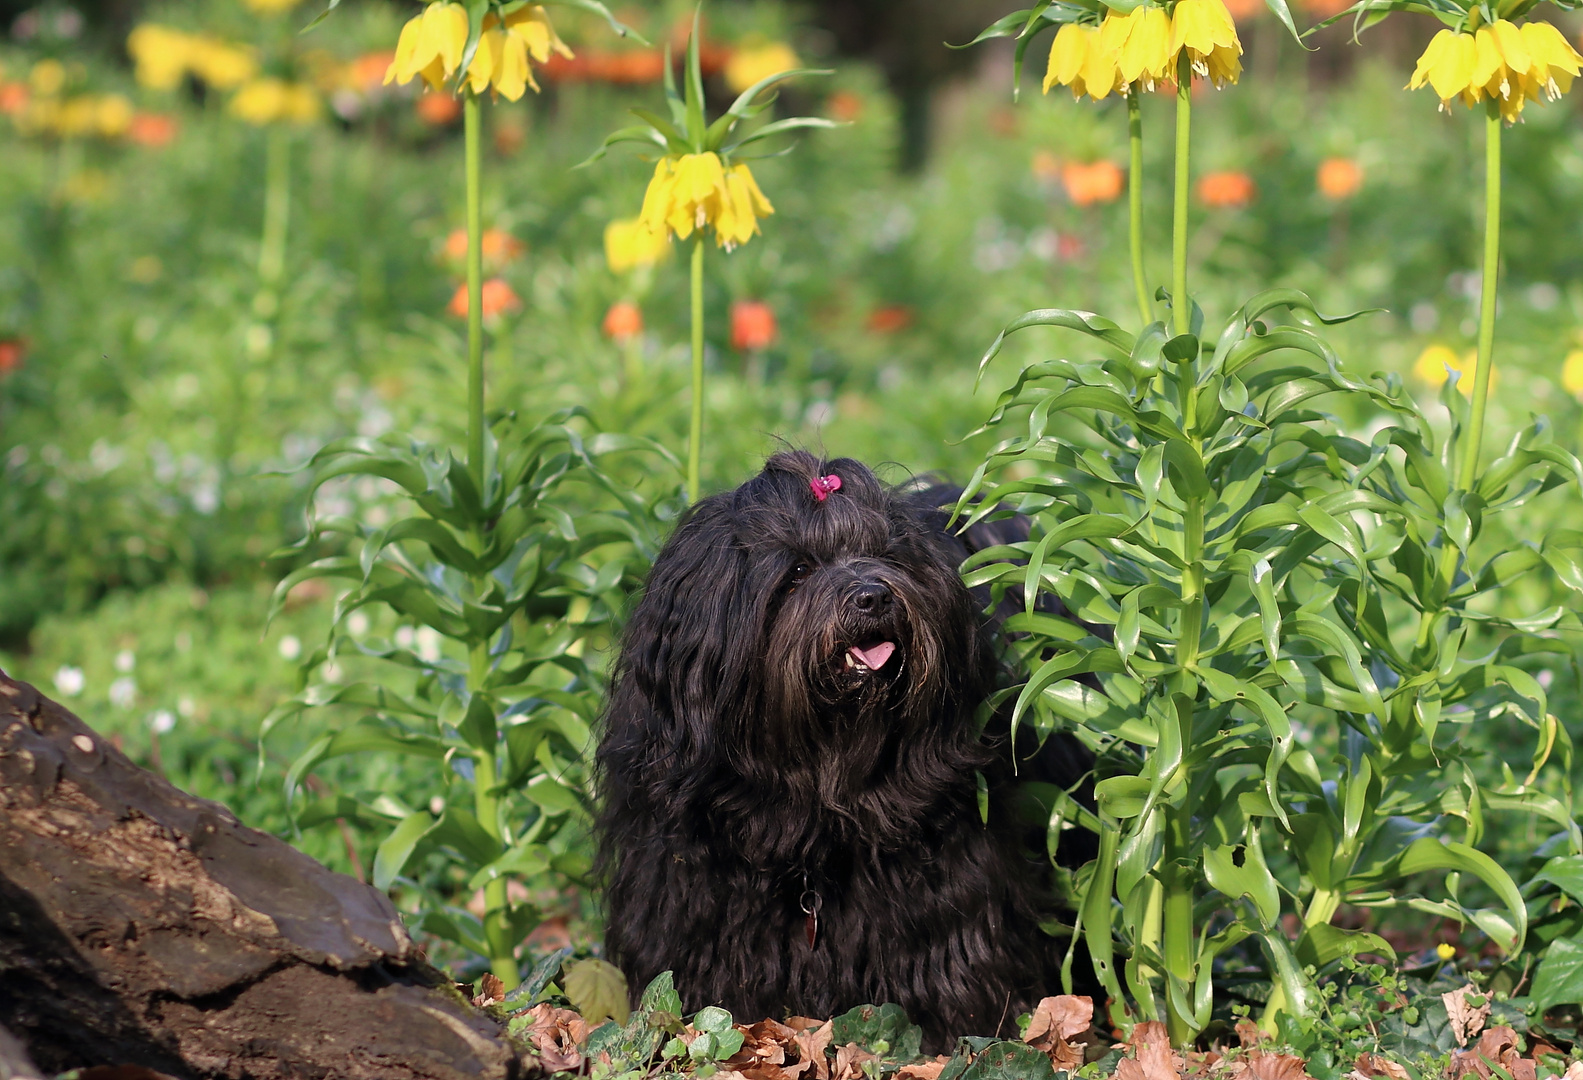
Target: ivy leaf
{"x":598,"y":990}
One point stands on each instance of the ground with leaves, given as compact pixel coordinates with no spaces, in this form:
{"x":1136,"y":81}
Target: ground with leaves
{"x":1382,"y":1026}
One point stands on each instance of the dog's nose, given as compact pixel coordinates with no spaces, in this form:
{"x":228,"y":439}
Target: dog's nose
{"x":871,"y":598}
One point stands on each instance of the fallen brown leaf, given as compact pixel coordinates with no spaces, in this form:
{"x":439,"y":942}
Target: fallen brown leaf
{"x":1374,"y":1065}
{"x":927,"y":1070}
{"x":812,"y":1042}
{"x":1496,"y":1046}
{"x":556,"y":1034}
{"x":849,"y":1062}
{"x":1057,"y":1020}
{"x":1466,"y":1020}
{"x":1153,"y":1058}
{"x":1264,"y":1065}
{"x":764,"y":1052}
{"x":1250,"y":1034}
{"x":490,"y":990}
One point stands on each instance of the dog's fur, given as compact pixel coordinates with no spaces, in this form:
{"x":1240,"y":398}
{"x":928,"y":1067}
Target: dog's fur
{"x":751,"y":771}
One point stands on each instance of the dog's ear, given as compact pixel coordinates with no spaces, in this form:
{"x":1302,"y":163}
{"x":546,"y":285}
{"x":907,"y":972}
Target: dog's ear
{"x":692,"y":647}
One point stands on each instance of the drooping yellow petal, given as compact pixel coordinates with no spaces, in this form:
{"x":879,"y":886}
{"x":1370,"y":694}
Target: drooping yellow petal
{"x":445,"y":34}
{"x":761,"y":205}
{"x":1224,"y":66}
{"x":657,"y":197}
{"x":403,"y":65}
{"x":1200,"y":26}
{"x":1067,"y":53}
{"x":486,"y":61}
{"x":532,"y":25}
{"x":513,"y":74}
{"x":1514,"y":53}
{"x":1489,"y":68}
{"x":1145,"y":57}
{"x":1555,"y":62}
{"x":1430,"y":58}
{"x":1100,"y":73}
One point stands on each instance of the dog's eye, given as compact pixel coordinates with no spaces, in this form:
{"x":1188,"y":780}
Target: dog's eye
{"x":799,"y":574}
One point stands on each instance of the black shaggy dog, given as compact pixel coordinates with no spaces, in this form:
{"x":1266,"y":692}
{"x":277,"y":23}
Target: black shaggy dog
{"x":790,"y":766}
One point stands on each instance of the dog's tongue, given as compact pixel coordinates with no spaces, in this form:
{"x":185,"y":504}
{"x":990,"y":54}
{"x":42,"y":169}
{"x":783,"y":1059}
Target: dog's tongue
{"x":874,"y":656}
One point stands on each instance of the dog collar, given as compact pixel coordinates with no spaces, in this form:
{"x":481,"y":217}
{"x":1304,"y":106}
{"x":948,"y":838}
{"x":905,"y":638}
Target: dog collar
{"x":824,"y":486}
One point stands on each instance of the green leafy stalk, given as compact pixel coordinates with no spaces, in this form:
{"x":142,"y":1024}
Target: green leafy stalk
{"x":277,"y":208}
{"x":1181,"y":310}
{"x":1485,"y":364}
{"x":471,"y":114}
{"x":695,"y":439}
{"x":1135,"y":203}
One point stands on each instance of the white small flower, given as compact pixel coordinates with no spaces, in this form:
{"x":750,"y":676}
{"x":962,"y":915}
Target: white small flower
{"x":125,"y":661}
{"x":357,"y":624}
{"x":69,"y":680}
{"x":290,"y":647}
{"x":405,"y":637}
{"x":428,"y":644}
{"x":123,"y":692}
{"x":333,"y":672}
{"x":162,"y":721}
{"x":186,"y":707}
{"x":437,"y":806}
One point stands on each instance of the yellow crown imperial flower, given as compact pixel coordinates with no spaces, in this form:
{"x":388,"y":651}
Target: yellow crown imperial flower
{"x":1082,"y":59}
{"x":160,"y":55}
{"x":1145,"y":55}
{"x":1500,"y":62}
{"x":432,"y":43}
{"x":1205,"y":29}
{"x":270,"y":101}
{"x":632,"y":245}
{"x":696,"y":190}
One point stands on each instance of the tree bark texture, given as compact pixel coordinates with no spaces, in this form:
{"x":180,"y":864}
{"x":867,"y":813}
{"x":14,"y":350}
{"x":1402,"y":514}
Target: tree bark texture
{"x":140,"y":926}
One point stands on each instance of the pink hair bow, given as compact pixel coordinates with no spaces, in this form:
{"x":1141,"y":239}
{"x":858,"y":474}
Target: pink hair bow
{"x":823,"y":486}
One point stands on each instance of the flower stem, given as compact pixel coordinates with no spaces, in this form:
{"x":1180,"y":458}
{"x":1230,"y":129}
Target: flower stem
{"x":1492,"y":258}
{"x":486,"y":805}
{"x":1135,"y":201}
{"x":471,"y":117}
{"x":1181,"y":308}
{"x":695,"y":439}
{"x":277,"y":206}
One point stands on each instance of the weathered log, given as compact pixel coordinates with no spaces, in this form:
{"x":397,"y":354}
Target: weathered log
{"x":142,"y":926}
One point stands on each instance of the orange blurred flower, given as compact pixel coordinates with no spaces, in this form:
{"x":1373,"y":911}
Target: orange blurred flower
{"x":153,"y":130}
{"x":1323,"y":9}
{"x":367,"y":72}
{"x":13,"y":98}
{"x":1339,"y":178}
{"x":498,"y":299}
{"x":752,"y":325}
{"x":509,"y":137}
{"x":1046,"y":167}
{"x":623,"y":321}
{"x":890,"y":319}
{"x":1243,"y":10}
{"x":1226,"y":190}
{"x":844,"y":105}
{"x":12,"y":352}
{"x":500,"y":247}
{"x":438,"y":110}
{"x":1096,"y":182}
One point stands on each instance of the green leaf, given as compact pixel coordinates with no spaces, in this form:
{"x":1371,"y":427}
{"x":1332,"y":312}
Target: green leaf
{"x":870,"y":1025}
{"x":1239,"y":870}
{"x":1431,"y":854}
{"x":393,"y":852}
{"x":1559,"y":979}
{"x":1566,"y":873}
{"x":1096,"y":326}
{"x":1323,"y":944}
{"x":539,"y":978}
{"x":597,"y":990}
{"x":592,"y":6}
{"x":1008,"y":1060}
